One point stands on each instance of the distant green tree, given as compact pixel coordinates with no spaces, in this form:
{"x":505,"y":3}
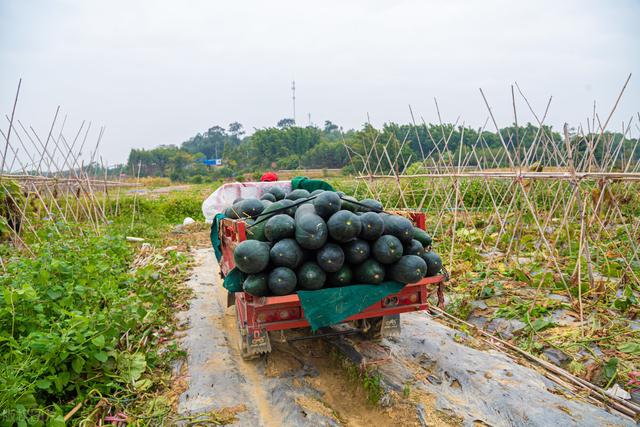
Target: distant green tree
{"x":329,"y":126}
{"x":286,"y":123}
{"x":395,"y":146}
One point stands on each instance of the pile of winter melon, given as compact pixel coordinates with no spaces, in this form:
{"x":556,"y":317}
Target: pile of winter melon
{"x":309,"y":241}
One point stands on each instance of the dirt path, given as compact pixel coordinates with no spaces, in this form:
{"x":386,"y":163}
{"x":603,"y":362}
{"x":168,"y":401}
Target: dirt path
{"x":433,"y":378}
{"x":218,"y":378}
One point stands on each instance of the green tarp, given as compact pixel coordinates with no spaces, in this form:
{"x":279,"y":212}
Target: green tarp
{"x":215,"y":236}
{"x":234,"y":280}
{"x":330,"y":306}
{"x":304,"y":183}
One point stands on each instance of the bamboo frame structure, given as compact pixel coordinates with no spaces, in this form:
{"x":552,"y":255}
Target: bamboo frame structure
{"x":576,"y":192}
{"x":54,"y":183}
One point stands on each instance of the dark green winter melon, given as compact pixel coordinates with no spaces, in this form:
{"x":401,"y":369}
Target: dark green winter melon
{"x":399,"y":227}
{"x":279,"y":227}
{"x":342,"y":277}
{"x":371,"y":205}
{"x":316,"y":192}
{"x":304,"y":209}
{"x":327,"y":203}
{"x":406,"y":230}
{"x":349,"y":203}
{"x":256,"y":232}
{"x":251,"y":256}
{"x":372,"y":226}
{"x":298,"y":194}
{"x":231,"y":212}
{"x":282,"y":281}
{"x":249,"y":207}
{"x":276,"y":208}
{"x":277,"y":192}
{"x":310,"y":276}
{"x":266,"y":204}
{"x":356,"y":251}
{"x":256,"y":284}
{"x":237,"y":200}
{"x":255,"y":229}
{"x":344,"y":226}
{"x":413,"y":248}
{"x":330,"y":257}
{"x":311,"y":231}
{"x":273,"y":207}
{"x":409,"y":269}
{"x":434,"y":263}
{"x":290,"y":205}
{"x":422,"y":236}
{"x":369,"y":272}
{"x":387,"y":249}
{"x":286,"y":253}
{"x":268,"y":196}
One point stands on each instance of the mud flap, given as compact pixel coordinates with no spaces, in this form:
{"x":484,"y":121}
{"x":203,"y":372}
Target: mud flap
{"x":231,"y":299}
{"x":254,"y":344}
{"x":390,"y":326}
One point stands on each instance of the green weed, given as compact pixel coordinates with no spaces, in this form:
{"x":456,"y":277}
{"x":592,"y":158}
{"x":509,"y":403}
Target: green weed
{"x":76,"y":323}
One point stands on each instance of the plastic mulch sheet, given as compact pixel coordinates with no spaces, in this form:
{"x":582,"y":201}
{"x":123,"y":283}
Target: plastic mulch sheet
{"x":330,"y":306}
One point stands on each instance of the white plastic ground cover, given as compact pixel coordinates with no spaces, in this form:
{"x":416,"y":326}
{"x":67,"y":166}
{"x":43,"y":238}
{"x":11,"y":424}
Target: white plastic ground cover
{"x":224,"y":196}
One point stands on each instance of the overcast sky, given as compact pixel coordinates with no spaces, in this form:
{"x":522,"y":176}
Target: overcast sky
{"x":157,"y":72}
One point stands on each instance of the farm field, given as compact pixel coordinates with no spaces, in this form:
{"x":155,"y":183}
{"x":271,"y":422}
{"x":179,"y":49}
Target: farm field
{"x":337,"y":214}
{"x":503,"y":279}
{"x":515,"y":296}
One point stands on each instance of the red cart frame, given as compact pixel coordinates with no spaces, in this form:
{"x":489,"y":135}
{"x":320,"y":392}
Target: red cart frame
{"x":256,"y":316}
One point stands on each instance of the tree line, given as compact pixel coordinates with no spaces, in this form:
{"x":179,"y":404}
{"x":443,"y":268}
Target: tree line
{"x":287,"y":146}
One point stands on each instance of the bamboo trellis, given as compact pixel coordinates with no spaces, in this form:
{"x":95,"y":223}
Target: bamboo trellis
{"x":575,"y":195}
{"x":55,"y":181}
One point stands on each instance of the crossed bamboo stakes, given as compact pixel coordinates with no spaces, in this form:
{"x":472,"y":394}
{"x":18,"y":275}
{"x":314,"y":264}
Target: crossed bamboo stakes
{"x":56,"y":180}
{"x":569,"y":190}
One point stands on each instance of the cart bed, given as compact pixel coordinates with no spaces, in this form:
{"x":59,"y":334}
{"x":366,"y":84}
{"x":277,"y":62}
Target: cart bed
{"x":256,"y":316}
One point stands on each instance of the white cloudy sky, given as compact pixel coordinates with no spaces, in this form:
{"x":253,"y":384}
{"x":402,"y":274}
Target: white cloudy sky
{"x":157,"y":72}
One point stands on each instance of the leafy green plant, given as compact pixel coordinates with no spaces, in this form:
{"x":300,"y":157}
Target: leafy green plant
{"x":611,"y":370}
{"x":627,"y":299}
{"x":77,"y":323}
{"x":372,"y":382}
{"x":630,"y":347}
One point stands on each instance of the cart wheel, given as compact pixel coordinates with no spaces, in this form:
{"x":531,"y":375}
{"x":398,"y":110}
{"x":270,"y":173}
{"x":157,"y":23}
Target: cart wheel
{"x":371,"y":328}
{"x":376,"y":328}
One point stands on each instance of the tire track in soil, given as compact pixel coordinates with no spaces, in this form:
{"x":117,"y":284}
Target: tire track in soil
{"x":336,"y":392}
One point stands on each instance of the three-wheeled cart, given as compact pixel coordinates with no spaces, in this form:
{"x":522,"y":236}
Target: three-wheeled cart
{"x":257,"y":316}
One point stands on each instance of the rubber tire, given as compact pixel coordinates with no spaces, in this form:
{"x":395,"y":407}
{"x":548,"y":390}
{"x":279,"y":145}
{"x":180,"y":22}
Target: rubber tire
{"x":371,"y":328}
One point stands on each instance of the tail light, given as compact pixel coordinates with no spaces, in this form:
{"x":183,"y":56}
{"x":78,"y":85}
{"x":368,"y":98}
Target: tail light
{"x":399,"y":300}
{"x":278,"y":315}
